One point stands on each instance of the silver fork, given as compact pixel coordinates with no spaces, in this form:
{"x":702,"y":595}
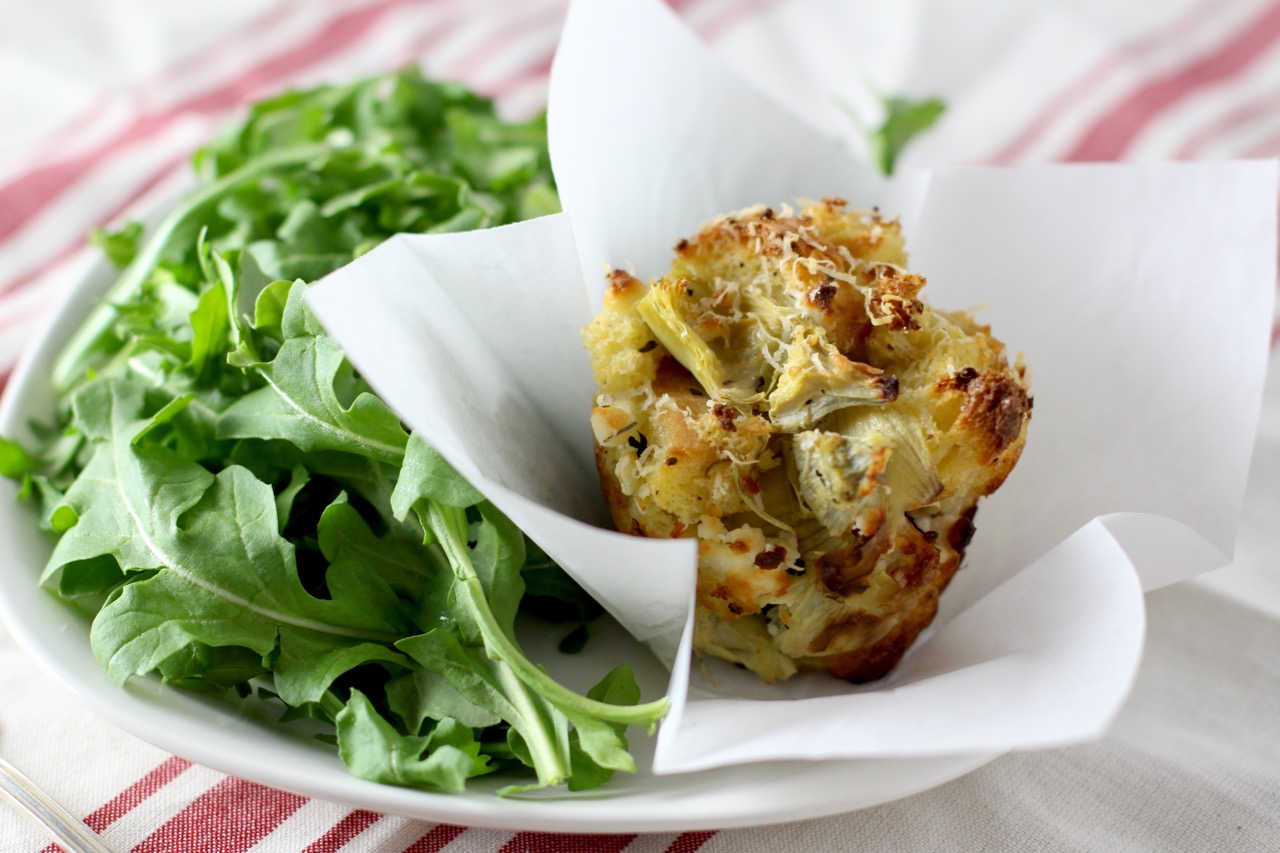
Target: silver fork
{"x":70,"y":832}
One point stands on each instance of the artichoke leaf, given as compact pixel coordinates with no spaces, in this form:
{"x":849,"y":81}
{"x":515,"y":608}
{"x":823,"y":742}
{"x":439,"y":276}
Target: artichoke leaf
{"x":818,"y":381}
{"x":842,"y":481}
{"x":912,"y":478}
{"x":665,"y":309}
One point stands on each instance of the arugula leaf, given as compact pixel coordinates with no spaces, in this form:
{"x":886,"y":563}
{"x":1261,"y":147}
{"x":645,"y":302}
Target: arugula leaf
{"x":299,"y":477}
{"x":201,"y":667}
{"x":300,"y":401}
{"x":310,"y":661}
{"x":420,"y":576}
{"x":115,"y":497}
{"x":426,"y":474}
{"x":373,"y":749}
{"x":120,"y":246}
{"x":427,"y":694}
{"x":904,"y":120}
{"x":15,"y":461}
{"x":497,"y":556}
{"x":599,"y":749}
{"x":212,"y":331}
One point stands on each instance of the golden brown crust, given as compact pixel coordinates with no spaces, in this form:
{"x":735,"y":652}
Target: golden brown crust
{"x":876,"y":659}
{"x":785,"y":396}
{"x":996,"y":408}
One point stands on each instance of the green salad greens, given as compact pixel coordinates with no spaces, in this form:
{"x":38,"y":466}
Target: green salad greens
{"x":904,"y":120}
{"x":901,"y":121}
{"x":239,"y":512}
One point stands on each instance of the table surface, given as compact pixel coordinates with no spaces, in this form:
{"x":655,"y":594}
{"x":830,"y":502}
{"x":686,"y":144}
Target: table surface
{"x":101,"y":103}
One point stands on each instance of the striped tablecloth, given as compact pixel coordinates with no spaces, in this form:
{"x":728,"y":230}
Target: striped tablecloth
{"x":100,"y":105}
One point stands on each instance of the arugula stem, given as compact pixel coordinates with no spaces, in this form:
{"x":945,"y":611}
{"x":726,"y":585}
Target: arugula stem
{"x":449,"y":524}
{"x":73,"y":359}
{"x":550,"y":758}
{"x":549,"y":762}
{"x":331,"y":705}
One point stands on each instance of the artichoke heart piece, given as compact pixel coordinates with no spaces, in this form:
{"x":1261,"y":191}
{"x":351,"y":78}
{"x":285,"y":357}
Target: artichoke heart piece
{"x":877,"y":466}
{"x":911,"y":478}
{"x":735,"y":373}
{"x":841,"y":481}
{"x":817,"y":381}
{"x":666,"y":310}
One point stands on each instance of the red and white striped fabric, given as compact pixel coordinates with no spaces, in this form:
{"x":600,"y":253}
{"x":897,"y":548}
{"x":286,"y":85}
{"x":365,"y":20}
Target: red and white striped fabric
{"x":100,"y":105}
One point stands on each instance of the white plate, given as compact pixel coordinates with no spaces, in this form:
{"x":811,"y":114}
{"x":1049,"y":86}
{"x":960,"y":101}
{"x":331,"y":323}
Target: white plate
{"x":240,"y":739}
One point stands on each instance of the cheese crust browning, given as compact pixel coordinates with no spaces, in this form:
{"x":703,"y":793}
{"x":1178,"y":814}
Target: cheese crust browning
{"x":785,"y":396}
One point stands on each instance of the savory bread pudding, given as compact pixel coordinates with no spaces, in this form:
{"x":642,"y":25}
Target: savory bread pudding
{"x":784,"y":396}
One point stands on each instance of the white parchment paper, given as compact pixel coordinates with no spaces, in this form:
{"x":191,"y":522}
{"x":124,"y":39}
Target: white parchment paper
{"x":1140,"y":295}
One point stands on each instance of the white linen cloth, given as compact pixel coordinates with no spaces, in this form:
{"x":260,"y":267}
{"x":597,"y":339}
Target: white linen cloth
{"x":99,"y":104}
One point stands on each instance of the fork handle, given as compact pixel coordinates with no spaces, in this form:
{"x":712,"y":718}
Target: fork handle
{"x":70,"y":832}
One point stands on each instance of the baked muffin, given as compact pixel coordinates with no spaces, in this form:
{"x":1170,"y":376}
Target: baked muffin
{"x":785,"y":396}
